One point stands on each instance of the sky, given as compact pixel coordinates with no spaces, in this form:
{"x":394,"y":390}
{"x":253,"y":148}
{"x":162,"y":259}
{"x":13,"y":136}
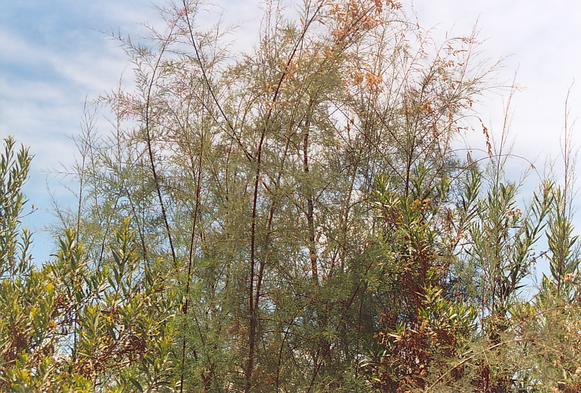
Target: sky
{"x":56,"y":54}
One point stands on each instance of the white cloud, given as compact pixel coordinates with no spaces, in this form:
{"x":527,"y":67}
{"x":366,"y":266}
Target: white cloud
{"x":540,"y":43}
{"x":540,"y":39}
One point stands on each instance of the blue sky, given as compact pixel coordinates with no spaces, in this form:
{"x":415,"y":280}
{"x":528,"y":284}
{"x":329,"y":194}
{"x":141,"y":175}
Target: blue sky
{"x":56,"y":53}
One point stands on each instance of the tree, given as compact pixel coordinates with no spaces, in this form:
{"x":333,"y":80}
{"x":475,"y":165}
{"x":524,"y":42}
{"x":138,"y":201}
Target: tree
{"x":293,"y":219}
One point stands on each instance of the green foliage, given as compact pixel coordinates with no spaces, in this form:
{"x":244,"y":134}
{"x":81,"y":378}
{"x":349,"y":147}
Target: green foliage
{"x":294,"y":219}
{"x":14,"y":241}
{"x":76,"y":325}
{"x":563,"y":248}
{"x":502,"y":239}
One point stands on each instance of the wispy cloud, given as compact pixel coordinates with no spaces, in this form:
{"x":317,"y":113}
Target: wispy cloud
{"x":52,"y":59}
{"x":540,"y":45}
{"x":54,"y":54}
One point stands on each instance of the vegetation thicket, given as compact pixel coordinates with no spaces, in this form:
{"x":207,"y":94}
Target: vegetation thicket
{"x":294,"y":218}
